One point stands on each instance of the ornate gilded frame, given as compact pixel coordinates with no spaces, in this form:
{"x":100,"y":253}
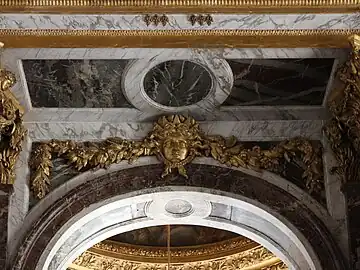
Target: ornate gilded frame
{"x":169,"y":6}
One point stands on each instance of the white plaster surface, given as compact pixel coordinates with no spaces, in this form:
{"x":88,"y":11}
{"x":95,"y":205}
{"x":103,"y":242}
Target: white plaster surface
{"x":180,"y":21}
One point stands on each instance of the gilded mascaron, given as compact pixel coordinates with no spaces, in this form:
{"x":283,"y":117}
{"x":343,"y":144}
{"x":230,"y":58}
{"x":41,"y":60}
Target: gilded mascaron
{"x":176,"y":140}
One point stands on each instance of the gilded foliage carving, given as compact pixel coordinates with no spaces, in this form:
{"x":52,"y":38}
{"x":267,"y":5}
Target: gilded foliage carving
{"x":343,"y":130}
{"x":12,"y":131}
{"x":201,"y":250}
{"x":176,"y":140}
{"x":248,"y":258}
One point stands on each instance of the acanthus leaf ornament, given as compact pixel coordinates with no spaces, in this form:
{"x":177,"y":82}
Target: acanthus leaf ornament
{"x":12,"y":131}
{"x":343,"y":129}
{"x":176,"y":140}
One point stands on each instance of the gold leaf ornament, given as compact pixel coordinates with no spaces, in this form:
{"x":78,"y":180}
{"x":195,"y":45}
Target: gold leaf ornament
{"x":176,"y":140}
{"x":12,"y":132}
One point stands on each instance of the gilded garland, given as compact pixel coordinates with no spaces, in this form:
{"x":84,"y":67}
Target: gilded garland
{"x":176,"y":140}
{"x":12,"y":131}
{"x":343,"y":130}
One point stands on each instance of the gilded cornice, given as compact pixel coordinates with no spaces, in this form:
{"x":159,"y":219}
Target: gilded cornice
{"x":168,"y":6}
{"x":253,"y":258}
{"x":62,"y":38}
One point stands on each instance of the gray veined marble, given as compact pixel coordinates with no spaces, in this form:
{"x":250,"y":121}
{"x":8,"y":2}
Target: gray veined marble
{"x":279,"y":81}
{"x":75,"y":83}
{"x":177,"y":83}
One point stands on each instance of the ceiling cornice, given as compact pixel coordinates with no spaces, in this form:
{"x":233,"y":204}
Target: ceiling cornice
{"x":170,"y":6}
{"x":62,"y":38}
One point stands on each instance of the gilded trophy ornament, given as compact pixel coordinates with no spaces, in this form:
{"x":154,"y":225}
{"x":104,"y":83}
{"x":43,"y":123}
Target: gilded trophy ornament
{"x":343,"y":129}
{"x":176,"y":140}
{"x":12,"y":131}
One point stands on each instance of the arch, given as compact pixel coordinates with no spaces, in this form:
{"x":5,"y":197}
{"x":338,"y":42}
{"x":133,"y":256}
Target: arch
{"x":259,"y":210}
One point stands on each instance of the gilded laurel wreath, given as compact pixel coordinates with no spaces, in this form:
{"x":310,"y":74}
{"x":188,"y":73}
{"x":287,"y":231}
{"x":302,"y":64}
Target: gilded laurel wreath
{"x":176,"y":140}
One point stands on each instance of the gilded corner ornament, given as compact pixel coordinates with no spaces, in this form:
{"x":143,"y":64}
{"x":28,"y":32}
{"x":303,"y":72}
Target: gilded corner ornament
{"x":12,"y":131}
{"x":343,"y":129}
{"x":176,"y":140}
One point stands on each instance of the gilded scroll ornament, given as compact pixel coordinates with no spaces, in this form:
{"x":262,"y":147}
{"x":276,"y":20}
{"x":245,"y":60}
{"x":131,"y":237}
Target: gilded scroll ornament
{"x":12,"y":131}
{"x":176,"y":140}
{"x":343,"y":130}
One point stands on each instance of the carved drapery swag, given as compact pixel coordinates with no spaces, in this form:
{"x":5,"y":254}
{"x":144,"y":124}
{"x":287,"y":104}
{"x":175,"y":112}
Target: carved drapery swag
{"x":176,"y":140}
{"x":343,"y":130}
{"x":12,"y":131}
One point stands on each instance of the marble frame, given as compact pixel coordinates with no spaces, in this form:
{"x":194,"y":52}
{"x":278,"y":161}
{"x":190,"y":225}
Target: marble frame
{"x":219,"y":70}
{"x":139,"y":212}
{"x":12,"y":60}
{"x":35,"y":214}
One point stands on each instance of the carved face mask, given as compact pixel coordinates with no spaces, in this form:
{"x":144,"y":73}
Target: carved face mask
{"x":175,"y":149}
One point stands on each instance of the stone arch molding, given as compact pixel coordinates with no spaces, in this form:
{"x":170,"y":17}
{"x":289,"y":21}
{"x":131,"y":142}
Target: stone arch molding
{"x":123,"y":200}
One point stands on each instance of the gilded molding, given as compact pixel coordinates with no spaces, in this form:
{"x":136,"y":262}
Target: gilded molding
{"x":168,"y":6}
{"x":57,"y":38}
{"x":176,"y":140}
{"x":12,"y":131}
{"x":196,"y":253}
{"x":343,"y":130}
{"x":255,"y":258}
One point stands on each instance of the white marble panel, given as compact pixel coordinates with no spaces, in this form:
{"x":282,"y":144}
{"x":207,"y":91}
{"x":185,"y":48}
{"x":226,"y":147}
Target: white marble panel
{"x":230,"y":113}
{"x":243,"y":130}
{"x":11,"y":55}
{"x":180,"y":21}
{"x":19,"y":200}
{"x":336,"y":200}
